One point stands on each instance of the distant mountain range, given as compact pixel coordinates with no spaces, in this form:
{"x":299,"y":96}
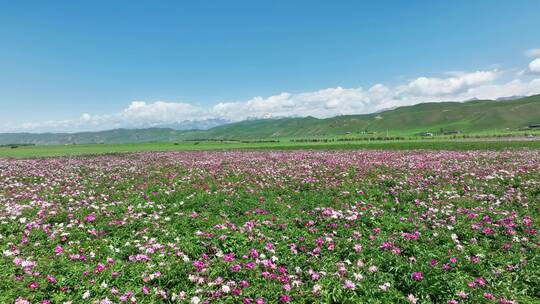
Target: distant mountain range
{"x":203,"y":124}
{"x":465,"y":117}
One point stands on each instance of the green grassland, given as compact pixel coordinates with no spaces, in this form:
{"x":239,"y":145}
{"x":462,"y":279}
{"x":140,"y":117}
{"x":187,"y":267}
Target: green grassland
{"x":431,"y":144}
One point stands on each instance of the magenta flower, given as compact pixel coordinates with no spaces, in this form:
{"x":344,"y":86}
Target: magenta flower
{"x":90,"y":217}
{"x":417,"y":276}
{"x":198,"y":264}
{"x":480,"y":281}
{"x":487,"y":231}
{"x":229,"y":257}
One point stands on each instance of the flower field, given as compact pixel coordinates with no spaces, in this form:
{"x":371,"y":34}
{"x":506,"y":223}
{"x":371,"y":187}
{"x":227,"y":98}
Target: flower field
{"x":272,"y":227}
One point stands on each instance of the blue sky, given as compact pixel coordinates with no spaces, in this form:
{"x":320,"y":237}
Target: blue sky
{"x":60,"y":59}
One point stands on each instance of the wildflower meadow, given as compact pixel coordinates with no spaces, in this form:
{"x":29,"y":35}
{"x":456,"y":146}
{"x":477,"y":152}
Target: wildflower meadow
{"x":272,"y":227}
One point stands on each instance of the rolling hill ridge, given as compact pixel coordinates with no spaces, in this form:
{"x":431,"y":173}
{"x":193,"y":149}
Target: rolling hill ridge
{"x":478,"y":116}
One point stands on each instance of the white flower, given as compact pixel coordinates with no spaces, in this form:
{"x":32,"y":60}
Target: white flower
{"x":195,"y":300}
{"x":225,"y":289}
{"x":384,"y":286}
{"x":86,"y":295}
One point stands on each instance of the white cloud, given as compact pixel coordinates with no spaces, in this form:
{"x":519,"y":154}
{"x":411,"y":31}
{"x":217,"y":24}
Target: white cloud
{"x":532,"y":52}
{"x":457,"y":86}
{"x":534,"y":66}
{"x":424,"y":86}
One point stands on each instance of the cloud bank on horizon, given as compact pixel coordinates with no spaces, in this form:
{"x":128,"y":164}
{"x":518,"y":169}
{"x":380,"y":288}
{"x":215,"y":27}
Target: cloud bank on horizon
{"x":455,"y":86}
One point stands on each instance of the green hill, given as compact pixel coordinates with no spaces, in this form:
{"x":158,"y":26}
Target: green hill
{"x":116,"y":136}
{"x":479,"y":116}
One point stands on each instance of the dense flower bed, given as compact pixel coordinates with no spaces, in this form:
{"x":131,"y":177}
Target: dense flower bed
{"x":270,"y":227}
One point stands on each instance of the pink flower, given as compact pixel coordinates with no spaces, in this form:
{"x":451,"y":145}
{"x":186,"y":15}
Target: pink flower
{"x":348,"y":284}
{"x":33,"y":285}
{"x":58,"y":250}
{"x":145,"y":290}
{"x":462,"y":294}
{"x":50,"y":278}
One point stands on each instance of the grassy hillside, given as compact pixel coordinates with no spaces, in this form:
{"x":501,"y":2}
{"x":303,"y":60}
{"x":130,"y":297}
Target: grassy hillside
{"x":116,"y":136}
{"x":468,"y":117}
{"x":481,"y":116}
